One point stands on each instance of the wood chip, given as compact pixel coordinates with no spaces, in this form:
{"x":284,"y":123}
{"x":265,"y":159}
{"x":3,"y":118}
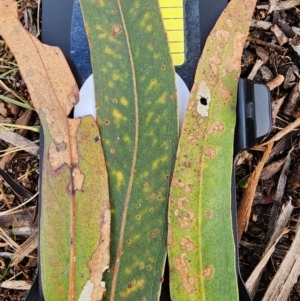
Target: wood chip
{"x":276,"y":105}
{"x":271,"y":169}
{"x":278,"y":196}
{"x":261,"y":24}
{"x":16,"y":285}
{"x":282,"y":5}
{"x":276,"y":82}
{"x":253,"y":280}
{"x":292,"y":100}
{"x":20,"y":142}
{"x":26,"y":248}
{"x":287,"y":275}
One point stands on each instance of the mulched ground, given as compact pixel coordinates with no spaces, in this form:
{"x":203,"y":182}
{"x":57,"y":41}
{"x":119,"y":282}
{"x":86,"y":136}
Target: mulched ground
{"x":272,"y":49}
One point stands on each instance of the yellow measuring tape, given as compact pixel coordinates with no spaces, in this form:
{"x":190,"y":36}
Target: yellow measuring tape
{"x":172,"y":14}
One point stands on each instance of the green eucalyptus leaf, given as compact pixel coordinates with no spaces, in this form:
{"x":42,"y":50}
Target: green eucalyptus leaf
{"x":137,"y":116}
{"x":200,"y":239}
{"x":75,"y":212}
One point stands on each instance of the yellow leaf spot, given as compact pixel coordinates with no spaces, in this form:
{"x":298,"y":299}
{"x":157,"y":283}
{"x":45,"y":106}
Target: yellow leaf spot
{"x":116,"y":76}
{"x":110,"y":83}
{"x":134,"y":286}
{"x":102,"y":35}
{"x":101,"y":2}
{"x":119,"y":178}
{"x":149,"y":116}
{"x":153,"y":84}
{"x":146,"y":17}
{"x":126,"y":139}
{"x":162,"y":99}
{"x":124,"y":101}
{"x":108,"y":50}
{"x":118,"y":116}
{"x":149,"y":28}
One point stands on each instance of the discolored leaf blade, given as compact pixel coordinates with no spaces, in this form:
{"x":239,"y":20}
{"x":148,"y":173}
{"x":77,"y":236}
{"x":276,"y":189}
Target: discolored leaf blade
{"x":75,"y":212}
{"x":200,"y":238}
{"x":137,"y":116}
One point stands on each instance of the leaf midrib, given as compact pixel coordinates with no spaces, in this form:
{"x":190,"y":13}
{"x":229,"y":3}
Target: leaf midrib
{"x":134,"y":159}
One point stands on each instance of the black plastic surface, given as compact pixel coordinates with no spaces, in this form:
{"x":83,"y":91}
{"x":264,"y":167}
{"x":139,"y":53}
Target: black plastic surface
{"x":254,"y":117}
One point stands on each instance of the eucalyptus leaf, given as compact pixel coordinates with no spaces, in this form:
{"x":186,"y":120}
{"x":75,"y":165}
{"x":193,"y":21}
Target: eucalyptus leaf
{"x":200,"y":238}
{"x":137,"y":116}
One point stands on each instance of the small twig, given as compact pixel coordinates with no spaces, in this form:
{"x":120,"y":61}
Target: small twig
{"x":245,"y":206}
{"x":284,"y":131}
{"x":255,"y":68}
{"x":269,"y":45}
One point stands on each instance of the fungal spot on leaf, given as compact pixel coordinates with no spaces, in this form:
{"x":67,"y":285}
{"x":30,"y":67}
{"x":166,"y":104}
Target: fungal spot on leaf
{"x":129,"y":241}
{"x":112,"y":151}
{"x":170,"y":235}
{"x":233,"y":62}
{"x":138,"y":217}
{"x":129,"y":286}
{"x":186,"y":216}
{"x":223,"y":34}
{"x":191,"y":105}
{"x":149,"y":267}
{"x":56,"y":158}
{"x":203,"y":96}
{"x":200,"y":134}
{"x":229,"y":23}
{"x":215,"y":127}
{"x":116,"y":30}
{"x":188,"y":244}
{"x":187,"y":281}
{"x":226,"y":93}
{"x":151,"y":259}
{"x":208,"y":271}
{"x":155,"y":233}
{"x":96,"y":139}
{"x":210,"y":152}
{"x":163,"y":67}
{"x":138,"y":205}
{"x":107,"y":122}
{"x":151,"y":210}
{"x":141,"y":265}
{"x":208,"y":214}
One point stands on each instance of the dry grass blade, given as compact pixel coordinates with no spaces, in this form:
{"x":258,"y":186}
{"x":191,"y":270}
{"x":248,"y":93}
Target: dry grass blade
{"x":253,"y":280}
{"x":244,"y":209}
